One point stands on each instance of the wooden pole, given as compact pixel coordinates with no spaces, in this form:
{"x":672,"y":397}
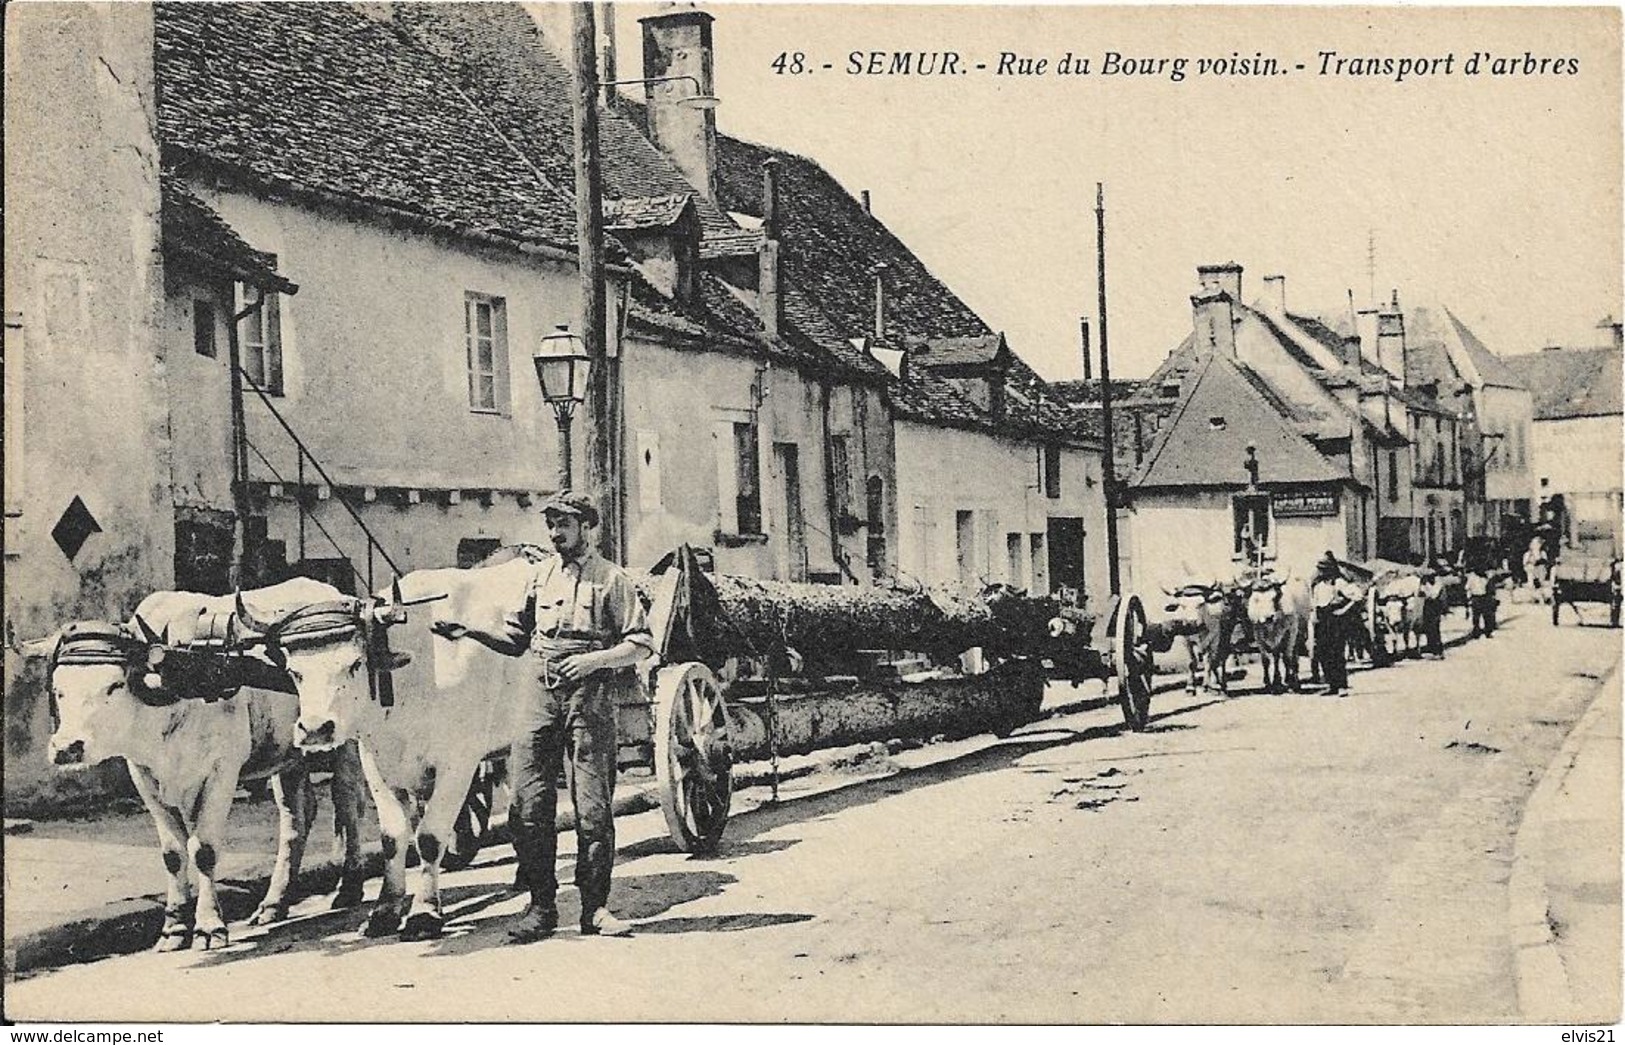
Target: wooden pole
{"x":1108,"y":469}
{"x":590,"y":251}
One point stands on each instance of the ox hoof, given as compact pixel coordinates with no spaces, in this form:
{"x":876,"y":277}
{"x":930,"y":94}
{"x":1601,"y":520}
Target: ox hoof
{"x":269,"y":914}
{"x":174,"y":940}
{"x":212,"y":939}
{"x":349,"y":895}
{"x":384,"y":920}
{"x":423,"y":926}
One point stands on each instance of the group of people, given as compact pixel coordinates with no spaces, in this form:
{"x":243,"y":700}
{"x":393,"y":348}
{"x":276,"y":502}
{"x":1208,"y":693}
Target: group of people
{"x":1336,"y":605}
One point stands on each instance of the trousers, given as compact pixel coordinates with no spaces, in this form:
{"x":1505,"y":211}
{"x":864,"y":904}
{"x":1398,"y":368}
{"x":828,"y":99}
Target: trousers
{"x":1331,"y":647}
{"x":574,"y":730}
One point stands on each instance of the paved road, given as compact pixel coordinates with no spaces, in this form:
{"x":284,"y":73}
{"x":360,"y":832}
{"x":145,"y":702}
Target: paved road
{"x":1258,"y":859}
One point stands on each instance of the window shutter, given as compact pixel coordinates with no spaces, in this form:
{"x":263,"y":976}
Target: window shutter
{"x":727,"y":478}
{"x":273,"y":343}
{"x":499,"y":355}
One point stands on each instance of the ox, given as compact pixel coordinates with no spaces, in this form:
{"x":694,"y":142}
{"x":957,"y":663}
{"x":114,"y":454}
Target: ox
{"x":425,"y":710}
{"x":1278,"y":614}
{"x":1205,"y":616}
{"x":1400,"y":605}
{"x":186,"y":751}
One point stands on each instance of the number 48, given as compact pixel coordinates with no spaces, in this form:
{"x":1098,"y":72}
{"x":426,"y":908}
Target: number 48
{"x":789,"y":62}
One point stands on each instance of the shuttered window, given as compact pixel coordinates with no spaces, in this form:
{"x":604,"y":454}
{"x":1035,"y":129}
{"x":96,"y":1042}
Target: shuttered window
{"x":260,"y":339}
{"x":485,"y":327}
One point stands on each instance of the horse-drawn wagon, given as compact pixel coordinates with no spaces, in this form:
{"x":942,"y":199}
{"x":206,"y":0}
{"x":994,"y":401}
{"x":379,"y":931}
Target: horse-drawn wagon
{"x":1578,"y":578}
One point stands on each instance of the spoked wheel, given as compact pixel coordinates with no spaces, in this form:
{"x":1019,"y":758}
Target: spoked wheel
{"x":693,"y":759}
{"x":473,"y":820}
{"x":1132,"y":658}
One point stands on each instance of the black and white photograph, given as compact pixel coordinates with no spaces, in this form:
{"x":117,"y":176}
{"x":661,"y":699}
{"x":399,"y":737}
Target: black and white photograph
{"x":815,"y":514}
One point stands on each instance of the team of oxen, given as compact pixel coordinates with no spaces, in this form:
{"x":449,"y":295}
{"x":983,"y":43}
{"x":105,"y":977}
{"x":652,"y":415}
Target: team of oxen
{"x":198,"y":693}
{"x":1272,"y":614}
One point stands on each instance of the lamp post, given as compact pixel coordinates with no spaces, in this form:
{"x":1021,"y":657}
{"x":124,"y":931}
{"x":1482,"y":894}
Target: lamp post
{"x":562,"y":368}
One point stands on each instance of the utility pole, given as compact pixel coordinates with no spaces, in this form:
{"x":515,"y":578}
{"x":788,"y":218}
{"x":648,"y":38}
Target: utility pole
{"x":1108,"y":471}
{"x":590,"y":251}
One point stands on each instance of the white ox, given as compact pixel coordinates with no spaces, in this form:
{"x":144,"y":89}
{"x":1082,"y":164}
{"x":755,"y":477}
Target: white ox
{"x":1400,"y":605}
{"x":452,"y":705}
{"x":1278,"y":610}
{"x":1202,"y":614}
{"x":186,"y":756}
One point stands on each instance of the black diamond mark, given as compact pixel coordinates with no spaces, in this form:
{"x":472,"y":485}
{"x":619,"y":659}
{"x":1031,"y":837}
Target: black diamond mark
{"x":74,"y":528}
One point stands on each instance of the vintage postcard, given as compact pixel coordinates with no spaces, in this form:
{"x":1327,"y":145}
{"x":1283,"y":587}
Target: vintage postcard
{"x":815,"y":514}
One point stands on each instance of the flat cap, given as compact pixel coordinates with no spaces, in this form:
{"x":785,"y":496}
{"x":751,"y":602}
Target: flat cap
{"x":568,"y":502}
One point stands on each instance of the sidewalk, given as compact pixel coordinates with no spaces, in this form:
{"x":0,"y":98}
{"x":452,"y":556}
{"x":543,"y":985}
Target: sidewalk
{"x":1565,"y":887}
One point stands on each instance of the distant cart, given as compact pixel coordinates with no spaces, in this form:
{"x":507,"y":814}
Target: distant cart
{"x":1586,"y":578}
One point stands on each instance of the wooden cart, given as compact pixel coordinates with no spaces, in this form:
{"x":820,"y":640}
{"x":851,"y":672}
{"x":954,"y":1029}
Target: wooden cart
{"x":1586,"y":578}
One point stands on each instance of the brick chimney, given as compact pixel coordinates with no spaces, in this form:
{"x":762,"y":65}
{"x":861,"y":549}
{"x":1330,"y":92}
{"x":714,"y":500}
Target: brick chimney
{"x":1390,"y":338}
{"x":768,"y":302}
{"x":880,"y":301}
{"x":1226,"y":276}
{"x":679,"y":44}
{"x":1275,"y":295}
{"x":1214,"y":317}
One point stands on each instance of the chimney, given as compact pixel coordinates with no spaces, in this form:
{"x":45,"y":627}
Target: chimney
{"x":1612,"y":325}
{"x":1390,"y":336}
{"x":606,"y":25}
{"x":866,"y":209}
{"x":1365,"y":326}
{"x":679,"y":44}
{"x":1214,"y":317}
{"x":1227,"y":277}
{"x":880,"y":301}
{"x":1083,"y":338}
{"x":1275,"y":295}
{"x":768,"y":301}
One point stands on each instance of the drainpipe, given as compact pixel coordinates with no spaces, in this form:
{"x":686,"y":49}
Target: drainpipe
{"x":239,"y":443}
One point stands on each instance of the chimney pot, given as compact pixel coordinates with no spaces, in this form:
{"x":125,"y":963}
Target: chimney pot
{"x":679,"y":44}
{"x":1225,"y":276}
{"x":1275,"y":293}
{"x":866,"y":209}
{"x":880,"y":301}
{"x":770,"y":198}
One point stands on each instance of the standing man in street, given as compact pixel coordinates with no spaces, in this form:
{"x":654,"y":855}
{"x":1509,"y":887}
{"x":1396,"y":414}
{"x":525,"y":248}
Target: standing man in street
{"x":1333,"y":601}
{"x":583,"y":625}
{"x":1432,"y":614}
{"x":1478,"y":601}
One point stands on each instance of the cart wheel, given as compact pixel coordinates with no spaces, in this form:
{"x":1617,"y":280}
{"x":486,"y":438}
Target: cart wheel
{"x":473,"y":820}
{"x":693,"y":759}
{"x":1132,"y":659}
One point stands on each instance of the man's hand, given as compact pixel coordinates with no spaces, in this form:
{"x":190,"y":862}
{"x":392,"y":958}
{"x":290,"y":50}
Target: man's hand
{"x":448,"y":629}
{"x":578,"y":666}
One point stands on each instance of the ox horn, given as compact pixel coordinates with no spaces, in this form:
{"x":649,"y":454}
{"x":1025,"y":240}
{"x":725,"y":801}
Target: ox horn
{"x":150,"y":637}
{"x":40,"y":647}
{"x":249,"y":621}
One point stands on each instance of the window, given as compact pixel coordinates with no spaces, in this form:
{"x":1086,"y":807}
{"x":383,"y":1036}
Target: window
{"x":485,"y":329}
{"x":203,"y":328}
{"x":875,"y":506}
{"x":1014,"y":547}
{"x":1040,"y":563}
{"x":747,"y":481}
{"x":965,"y":547}
{"x":840,"y":475}
{"x":260,"y":338}
{"x":1052,"y":471}
{"x":1393,"y":475}
{"x":1252,"y":523}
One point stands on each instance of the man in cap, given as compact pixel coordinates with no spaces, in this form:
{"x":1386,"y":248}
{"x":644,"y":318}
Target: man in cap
{"x":1334,"y":600}
{"x":584,"y":626}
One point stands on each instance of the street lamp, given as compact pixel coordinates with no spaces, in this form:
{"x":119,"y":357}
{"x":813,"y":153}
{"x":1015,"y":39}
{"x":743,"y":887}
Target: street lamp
{"x":562,"y":364}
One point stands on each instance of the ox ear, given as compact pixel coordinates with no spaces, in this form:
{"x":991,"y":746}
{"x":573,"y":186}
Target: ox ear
{"x":247,"y":619}
{"x":150,"y":637}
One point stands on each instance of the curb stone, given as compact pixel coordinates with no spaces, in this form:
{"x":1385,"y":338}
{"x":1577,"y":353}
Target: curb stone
{"x":1544,"y":995}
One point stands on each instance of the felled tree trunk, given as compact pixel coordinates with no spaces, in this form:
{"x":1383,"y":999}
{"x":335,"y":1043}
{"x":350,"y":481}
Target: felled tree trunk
{"x":743,"y":616}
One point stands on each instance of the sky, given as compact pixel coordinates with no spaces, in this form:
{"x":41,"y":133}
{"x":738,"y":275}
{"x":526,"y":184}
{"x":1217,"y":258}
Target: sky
{"x":1497,"y":196}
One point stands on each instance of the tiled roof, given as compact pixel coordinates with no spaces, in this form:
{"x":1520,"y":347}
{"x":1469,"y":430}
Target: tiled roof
{"x":323,"y":98}
{"x":831,"y":247}
{"x":194,"y":232}
{"x":1220,"y":413}
{"x":1437,"y":345}
{"x":645,"y":212}
{"x":1571,"y":382}
{"x":1088,"y":393}
{"x":734,"y":243}
{"x":502,"y":61}
{"x":804,"y":320}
